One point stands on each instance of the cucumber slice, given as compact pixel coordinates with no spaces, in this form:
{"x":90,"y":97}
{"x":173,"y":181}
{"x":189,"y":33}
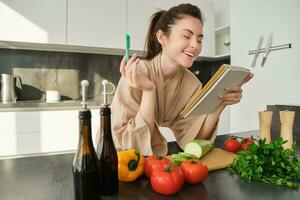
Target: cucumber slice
{"x":198,"y":147}
{"x":187,"y":155}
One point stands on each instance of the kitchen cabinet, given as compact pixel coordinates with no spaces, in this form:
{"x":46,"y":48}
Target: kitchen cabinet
{"x":222,"y":24}
{"x":138,"y":19}
{"x":222,"y":41}
{"x":33,"y":21}
{"x":90,"y":23}
{"x":207,"y":10}
{"x":96,"y":23}
{"x":33,"y":132}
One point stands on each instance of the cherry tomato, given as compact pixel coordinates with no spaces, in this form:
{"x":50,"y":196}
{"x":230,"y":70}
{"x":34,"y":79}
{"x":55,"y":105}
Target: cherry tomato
{"x":167,"y":181}
{"x":246,"y":142}
{"x":194,"y":171}
{"x":232,"y":145}
{"x":153,"y":163}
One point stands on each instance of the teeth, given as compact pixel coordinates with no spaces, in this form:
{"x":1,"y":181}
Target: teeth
{"x":189,"y":54}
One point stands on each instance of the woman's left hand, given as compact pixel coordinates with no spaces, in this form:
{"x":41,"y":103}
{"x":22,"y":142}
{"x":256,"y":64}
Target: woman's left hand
{"x":234,"y":95}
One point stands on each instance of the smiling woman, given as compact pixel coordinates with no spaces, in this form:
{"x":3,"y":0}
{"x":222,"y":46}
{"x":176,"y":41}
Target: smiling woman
{"x":154,"y":89}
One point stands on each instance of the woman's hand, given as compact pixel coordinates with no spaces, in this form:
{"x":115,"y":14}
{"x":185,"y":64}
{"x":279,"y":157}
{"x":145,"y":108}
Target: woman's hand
{"x":133,"y":76}
{"x":233,"y":95}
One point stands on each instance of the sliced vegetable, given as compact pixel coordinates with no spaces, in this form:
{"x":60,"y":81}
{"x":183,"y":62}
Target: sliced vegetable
{"x":198,"y":147}
{"x":182,"y":156}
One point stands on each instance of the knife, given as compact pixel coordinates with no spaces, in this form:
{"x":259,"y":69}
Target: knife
{"x":257,"y":51}
{"x":267,"y":51}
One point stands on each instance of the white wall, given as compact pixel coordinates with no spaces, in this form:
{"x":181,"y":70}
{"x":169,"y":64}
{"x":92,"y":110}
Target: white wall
{"x":222,"y":13}
{"x":278,"y":81}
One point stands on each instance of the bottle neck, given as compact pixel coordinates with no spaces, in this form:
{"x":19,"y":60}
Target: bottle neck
{"x":85,"y":138}
{"x":105,"y":120}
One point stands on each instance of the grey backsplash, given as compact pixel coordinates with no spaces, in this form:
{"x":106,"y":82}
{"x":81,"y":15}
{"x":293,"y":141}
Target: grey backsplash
{"x":63,"y":71}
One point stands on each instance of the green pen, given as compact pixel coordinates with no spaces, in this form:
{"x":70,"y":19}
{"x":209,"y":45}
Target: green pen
{"x":127,"y":41}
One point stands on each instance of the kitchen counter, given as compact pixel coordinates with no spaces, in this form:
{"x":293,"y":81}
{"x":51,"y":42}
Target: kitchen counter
{"x":50,"y":177}
{"x":40,"y":105}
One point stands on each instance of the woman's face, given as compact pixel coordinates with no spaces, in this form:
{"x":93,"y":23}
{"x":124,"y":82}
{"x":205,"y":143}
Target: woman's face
{"x":183,"y":44}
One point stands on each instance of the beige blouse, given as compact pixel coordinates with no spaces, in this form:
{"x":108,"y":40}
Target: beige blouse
{"x":128,"y":126}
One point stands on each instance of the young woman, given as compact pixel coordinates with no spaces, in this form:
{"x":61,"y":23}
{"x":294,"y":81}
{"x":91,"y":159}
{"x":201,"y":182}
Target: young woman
{"x":154,"y":90}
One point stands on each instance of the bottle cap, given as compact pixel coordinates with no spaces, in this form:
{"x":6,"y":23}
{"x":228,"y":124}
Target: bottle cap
{"x":84,"y":86}
{"x":85,"y":114}
{"x":105,"y":84}
{"x":105,"y":110}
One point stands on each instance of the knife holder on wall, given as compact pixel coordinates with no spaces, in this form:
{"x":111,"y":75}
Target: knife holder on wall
{"x":273,"y":48}
{"x":266,"y":50}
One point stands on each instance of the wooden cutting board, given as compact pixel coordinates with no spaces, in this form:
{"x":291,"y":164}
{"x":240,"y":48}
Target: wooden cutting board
{"x":218,"y":159}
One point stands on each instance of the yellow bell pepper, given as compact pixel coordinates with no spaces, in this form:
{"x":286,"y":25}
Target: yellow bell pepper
{"x":130,"y":165}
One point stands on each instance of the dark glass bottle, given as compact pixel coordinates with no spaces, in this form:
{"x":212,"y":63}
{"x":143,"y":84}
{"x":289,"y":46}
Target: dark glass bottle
{"x":107,"y":153}
{"x":85,"y":165}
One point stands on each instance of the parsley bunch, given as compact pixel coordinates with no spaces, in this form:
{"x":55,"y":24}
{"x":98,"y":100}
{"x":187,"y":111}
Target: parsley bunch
{"x":269,"y":163}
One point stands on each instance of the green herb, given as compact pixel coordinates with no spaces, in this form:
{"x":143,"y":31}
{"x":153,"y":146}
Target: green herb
{"x":269,"y":163}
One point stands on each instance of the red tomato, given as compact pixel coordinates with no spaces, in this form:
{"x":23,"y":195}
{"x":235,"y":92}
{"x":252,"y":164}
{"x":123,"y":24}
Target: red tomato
{"x":167,"y":181}
{"x":232,"y":145}
{"x":246,"y":142}
{"x":194,"y":171}
{"x":153,"y":163}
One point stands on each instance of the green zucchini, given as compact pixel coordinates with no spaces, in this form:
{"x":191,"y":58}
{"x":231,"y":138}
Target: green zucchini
{"x":198,"y":147}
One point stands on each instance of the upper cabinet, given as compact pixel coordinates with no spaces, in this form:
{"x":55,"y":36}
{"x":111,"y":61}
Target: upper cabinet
{"x":33,"y":21}
{"x":207,"y":10}
{"x":223,"y":41}
{"x":96,"y":23}
{"x":138,"y":15}
{"x":92,"y":23}
{"x":222,"y":24}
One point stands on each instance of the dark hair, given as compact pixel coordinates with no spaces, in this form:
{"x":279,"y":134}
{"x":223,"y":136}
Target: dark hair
{"x":163,"y":20}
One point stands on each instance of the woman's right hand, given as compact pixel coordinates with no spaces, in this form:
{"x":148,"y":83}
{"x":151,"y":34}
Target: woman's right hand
{"x":133,"y":76}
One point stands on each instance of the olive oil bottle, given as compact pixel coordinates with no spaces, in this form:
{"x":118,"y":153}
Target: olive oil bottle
{"x":106,"y":150}
{"x":85,"y":164}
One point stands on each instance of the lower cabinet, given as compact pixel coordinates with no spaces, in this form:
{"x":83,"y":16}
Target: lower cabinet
{"x":34,"y":132}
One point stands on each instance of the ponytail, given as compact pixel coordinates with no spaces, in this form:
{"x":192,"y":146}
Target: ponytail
{"x":152,"y":46}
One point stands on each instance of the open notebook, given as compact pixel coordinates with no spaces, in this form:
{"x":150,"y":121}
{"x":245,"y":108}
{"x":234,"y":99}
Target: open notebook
{"x":207,"y":100}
